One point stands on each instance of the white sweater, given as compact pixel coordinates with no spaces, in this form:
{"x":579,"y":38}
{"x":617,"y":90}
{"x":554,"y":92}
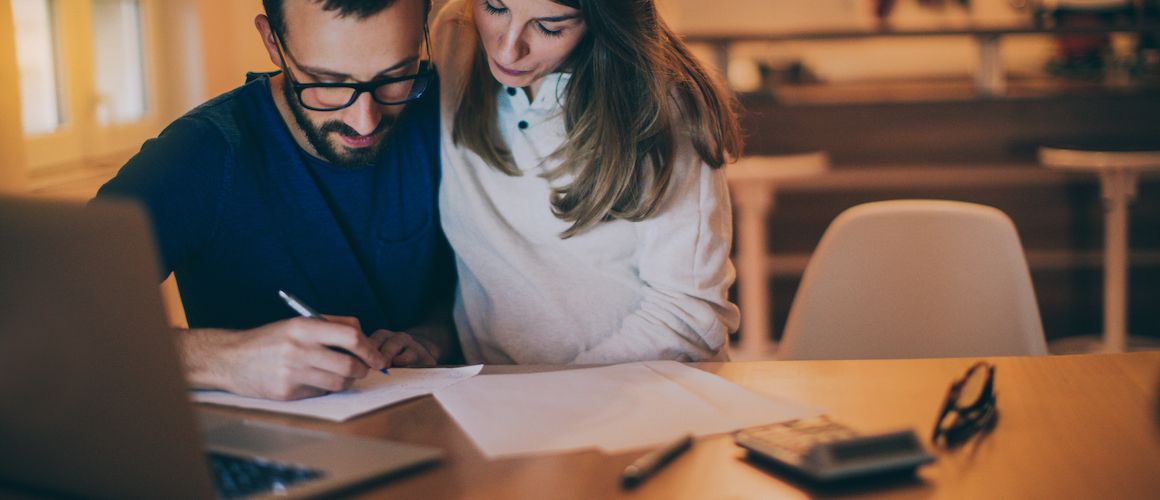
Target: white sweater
{"x":620,"y":291}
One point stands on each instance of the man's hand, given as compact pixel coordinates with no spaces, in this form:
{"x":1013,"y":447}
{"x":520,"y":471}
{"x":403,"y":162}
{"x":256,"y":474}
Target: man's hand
{"x":402,"y":349}
{"x":291,"y":359}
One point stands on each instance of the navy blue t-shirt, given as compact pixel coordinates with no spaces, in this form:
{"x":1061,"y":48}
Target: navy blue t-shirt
{"x":241,"y":211}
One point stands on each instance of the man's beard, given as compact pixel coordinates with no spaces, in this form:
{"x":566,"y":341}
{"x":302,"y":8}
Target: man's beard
{"x":317,"y":135}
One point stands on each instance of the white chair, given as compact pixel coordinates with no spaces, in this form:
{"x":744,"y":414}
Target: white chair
{"x":915,"y":279}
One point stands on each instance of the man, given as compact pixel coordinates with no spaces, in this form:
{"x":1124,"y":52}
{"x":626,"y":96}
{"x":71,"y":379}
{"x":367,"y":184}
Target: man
{"x":320,"y":180}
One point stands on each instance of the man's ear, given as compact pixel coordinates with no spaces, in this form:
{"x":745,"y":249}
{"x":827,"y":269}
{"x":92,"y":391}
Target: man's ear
{"x":268,"y":39}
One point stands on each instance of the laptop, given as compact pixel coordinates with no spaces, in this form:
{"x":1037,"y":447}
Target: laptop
{"x":93,"y":402}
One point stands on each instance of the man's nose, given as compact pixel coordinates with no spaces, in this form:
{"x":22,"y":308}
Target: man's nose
{"x":364,"y":115}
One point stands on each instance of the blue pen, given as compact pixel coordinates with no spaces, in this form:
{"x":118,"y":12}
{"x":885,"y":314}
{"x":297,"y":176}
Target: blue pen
{"x":308,"y":312}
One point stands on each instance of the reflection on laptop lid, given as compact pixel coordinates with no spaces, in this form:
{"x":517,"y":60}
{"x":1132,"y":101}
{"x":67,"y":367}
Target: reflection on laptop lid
{"x":94,"y":402}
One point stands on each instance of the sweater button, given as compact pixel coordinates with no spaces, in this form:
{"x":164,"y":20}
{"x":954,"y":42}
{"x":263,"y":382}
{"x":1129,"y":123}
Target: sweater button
{"x":511,"y":91}
{"x":522,"y":125}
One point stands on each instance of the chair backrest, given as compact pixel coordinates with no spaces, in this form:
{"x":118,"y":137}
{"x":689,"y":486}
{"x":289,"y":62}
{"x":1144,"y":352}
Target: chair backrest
{"x":915,"y":279}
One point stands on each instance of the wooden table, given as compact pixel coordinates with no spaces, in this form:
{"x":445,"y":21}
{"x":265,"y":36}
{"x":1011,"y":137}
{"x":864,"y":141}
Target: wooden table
{"x":1085,"y":426}
{"x":1118,"y":169}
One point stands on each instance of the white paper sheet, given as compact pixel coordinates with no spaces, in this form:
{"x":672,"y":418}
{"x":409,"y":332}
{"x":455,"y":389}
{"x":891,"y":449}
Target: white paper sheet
{"x":371,"y":393}
{"x":613,"y":408}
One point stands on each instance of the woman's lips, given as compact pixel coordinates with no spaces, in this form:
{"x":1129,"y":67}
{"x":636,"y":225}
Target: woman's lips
{"x":508,"y":71}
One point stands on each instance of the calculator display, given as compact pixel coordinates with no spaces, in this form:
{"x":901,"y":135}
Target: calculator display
{"x":868,"y":448}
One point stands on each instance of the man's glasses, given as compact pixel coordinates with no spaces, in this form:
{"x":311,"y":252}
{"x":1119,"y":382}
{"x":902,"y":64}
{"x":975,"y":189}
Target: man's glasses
{"x":969,"y":406}
{"x":387,"y":91}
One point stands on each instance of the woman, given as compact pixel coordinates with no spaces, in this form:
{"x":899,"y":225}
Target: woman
{"x":581,"y":187}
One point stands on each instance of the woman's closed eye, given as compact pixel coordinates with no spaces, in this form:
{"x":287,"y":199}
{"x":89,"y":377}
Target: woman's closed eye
{"x":492,"y":9}
{"x":547,"y":32}
{"x":496,"y":10}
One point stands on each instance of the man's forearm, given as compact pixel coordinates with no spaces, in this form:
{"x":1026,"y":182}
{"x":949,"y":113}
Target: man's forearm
{"x":202,"y":351}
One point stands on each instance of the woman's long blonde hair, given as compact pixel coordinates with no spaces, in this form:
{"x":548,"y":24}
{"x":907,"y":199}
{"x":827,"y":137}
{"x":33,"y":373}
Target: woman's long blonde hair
{"x":635,"y":89}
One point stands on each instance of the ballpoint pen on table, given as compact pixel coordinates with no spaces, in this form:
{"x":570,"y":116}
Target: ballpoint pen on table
{"x":308,"y":312}
{"x":651,"y":462}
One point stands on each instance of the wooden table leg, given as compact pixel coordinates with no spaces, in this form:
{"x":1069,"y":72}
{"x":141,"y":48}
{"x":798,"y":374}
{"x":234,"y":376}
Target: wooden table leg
{"x":754,"y":201}
{"x":1118,"y":188}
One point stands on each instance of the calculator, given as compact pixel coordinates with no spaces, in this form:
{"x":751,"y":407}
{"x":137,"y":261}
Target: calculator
{"x":826,"y":451}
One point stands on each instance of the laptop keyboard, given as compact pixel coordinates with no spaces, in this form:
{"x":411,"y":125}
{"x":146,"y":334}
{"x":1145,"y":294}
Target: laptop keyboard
{"x":242,"y":476}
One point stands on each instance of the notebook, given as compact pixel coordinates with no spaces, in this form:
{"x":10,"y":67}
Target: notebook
{"x":93,"y":399}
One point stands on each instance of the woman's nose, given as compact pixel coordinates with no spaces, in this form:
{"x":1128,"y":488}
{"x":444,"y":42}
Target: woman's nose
{"x":511,"y":47}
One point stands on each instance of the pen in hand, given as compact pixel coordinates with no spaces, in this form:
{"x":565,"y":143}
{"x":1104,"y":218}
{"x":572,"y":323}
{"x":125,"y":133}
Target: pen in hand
{"x":307,"y":312}
{"x":651,"y":462}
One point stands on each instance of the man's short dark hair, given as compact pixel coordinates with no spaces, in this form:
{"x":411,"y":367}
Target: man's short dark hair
{"x":360,"y":9}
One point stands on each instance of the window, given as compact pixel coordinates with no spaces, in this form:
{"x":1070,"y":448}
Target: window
{"x":36,"y":53}
{"x":87,"y":78}
{"x":118,"y":63}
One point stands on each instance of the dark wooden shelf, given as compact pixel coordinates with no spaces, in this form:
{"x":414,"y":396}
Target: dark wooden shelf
{"x":912,"y":91}
{"x":991,"y":80}
{"x":864,"y":30}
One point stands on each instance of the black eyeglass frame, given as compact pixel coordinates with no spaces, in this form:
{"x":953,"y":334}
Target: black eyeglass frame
{"x":425,"y":73}
{"x":979,"y":414}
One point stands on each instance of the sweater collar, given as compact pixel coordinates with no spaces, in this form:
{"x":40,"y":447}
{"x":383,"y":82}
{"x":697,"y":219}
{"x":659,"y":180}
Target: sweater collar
{"x":550,"y":95}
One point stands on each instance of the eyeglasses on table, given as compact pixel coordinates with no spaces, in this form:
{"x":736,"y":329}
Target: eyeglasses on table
{"x":969,"y":406}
